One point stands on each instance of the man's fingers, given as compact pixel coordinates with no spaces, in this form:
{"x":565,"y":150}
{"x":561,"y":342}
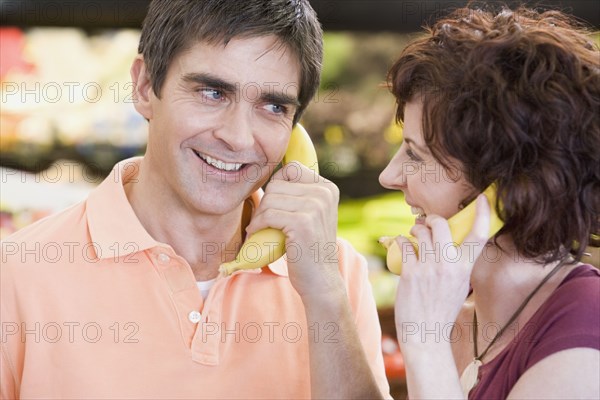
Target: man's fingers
{"x":296,"y":172}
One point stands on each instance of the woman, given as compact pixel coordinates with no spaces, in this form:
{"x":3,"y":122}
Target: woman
{"x":511,"y":98}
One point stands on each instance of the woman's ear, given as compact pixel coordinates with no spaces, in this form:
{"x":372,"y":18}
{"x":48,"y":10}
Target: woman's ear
{"x":142,"y":87}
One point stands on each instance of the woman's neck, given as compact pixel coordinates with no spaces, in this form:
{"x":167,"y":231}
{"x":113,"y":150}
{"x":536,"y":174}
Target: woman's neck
{"x":500,"y":280}
{"x":501,"y":284}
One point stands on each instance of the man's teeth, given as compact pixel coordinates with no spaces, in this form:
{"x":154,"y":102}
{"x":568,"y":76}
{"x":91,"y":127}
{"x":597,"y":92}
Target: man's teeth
{"x":418,"y":211}
{"x":222,"y":165}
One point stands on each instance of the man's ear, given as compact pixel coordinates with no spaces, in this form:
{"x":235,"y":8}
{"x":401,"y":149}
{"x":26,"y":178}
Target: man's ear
{"x":142,"y":87}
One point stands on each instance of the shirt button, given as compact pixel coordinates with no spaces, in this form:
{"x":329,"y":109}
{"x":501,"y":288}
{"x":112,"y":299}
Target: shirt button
{"x":194,"y":317}
{"x":163,"y":258}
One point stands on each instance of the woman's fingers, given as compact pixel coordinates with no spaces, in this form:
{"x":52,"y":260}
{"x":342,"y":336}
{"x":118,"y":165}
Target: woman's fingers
{"x":408,"y":254}
{"x":479,"y":235}
{"x":444,"y":247}
{"x":424,"y":239}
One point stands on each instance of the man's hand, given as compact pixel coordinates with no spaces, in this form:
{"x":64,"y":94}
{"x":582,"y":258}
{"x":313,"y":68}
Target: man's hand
{"x":303,"y":205}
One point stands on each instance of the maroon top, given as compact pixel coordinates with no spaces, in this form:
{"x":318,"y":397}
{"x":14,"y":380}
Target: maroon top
{"x":569,"y":318}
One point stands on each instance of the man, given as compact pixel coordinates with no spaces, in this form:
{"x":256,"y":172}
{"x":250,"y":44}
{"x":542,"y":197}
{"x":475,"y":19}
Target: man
{"x":107,"y":305}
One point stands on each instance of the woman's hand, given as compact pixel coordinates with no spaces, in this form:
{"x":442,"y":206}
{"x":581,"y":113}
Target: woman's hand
{"x":431,"y":290}
{"x":434,"y":284}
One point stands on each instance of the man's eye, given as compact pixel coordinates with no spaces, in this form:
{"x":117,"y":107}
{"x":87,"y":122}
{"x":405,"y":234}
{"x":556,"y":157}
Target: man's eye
{"x":212,"y":94}
{"x":276,"y":108}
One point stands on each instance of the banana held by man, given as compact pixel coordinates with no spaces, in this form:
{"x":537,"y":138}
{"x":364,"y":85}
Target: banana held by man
{"x":267,"y":245}
{"x":460,"y":224}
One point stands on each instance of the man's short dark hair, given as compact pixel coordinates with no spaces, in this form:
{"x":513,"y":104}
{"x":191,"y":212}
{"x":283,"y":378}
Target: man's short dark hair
{"x":172,"y":26}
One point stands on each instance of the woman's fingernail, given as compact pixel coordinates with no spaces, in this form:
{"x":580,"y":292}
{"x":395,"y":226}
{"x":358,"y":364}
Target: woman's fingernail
{"x":386,"y":241}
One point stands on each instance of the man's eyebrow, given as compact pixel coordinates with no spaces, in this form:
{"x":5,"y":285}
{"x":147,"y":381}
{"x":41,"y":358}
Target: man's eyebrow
{"x":280,"y":98}
{"x":210,"y":81}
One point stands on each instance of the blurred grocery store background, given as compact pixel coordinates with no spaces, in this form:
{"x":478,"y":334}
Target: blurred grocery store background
{"x":67,"y":117}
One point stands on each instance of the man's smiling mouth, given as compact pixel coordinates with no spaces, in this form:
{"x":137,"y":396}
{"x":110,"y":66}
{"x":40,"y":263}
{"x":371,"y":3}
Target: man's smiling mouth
{"x":219,"y":164}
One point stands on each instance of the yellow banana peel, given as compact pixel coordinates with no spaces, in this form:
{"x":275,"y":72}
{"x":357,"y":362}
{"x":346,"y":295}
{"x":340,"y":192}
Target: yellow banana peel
{"x":460,"y":225}
{"x":267,"y":245}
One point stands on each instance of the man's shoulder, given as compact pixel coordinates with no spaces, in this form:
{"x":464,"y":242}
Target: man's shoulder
{"x":352,"y":264}
{"x":66,"y":226}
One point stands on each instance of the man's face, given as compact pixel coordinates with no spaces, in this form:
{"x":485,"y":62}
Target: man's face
{"x":223,"y":121}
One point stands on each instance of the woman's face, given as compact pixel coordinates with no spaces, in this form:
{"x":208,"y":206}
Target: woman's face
{"x":428,"y":187}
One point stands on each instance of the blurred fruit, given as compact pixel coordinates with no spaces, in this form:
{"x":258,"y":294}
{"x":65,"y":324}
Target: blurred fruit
{"x":394,"y":366}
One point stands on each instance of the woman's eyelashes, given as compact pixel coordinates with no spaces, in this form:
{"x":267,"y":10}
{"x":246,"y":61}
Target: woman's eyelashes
{"x":413,"y":156}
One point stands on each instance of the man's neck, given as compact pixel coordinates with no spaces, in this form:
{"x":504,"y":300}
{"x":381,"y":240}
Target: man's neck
{"x":203,"y":240}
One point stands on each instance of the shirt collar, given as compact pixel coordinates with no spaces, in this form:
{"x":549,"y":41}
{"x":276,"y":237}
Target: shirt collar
{"x":114,"y":228}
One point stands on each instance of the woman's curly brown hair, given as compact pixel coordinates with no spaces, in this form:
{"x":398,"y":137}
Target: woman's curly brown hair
{"x":515,"y":97}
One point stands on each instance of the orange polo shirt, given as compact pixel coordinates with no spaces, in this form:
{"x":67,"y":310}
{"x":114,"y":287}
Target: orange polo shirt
{"x":93,"y":307}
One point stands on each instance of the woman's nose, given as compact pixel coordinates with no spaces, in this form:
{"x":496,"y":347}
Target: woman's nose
{"x":392,"y":177}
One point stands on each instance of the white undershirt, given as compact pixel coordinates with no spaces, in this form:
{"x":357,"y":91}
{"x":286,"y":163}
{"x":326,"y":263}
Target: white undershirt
{"x":205,"y":286}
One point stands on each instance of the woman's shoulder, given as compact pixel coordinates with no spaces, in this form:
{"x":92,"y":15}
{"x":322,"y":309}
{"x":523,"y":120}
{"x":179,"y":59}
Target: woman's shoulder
{"x":569,"y":318}
{"x":582,"y":271}
{"x":575,"y":302}
{"x":581,"y":286}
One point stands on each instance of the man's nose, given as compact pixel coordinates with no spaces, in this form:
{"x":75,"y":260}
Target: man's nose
{"x":237,"y":130}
